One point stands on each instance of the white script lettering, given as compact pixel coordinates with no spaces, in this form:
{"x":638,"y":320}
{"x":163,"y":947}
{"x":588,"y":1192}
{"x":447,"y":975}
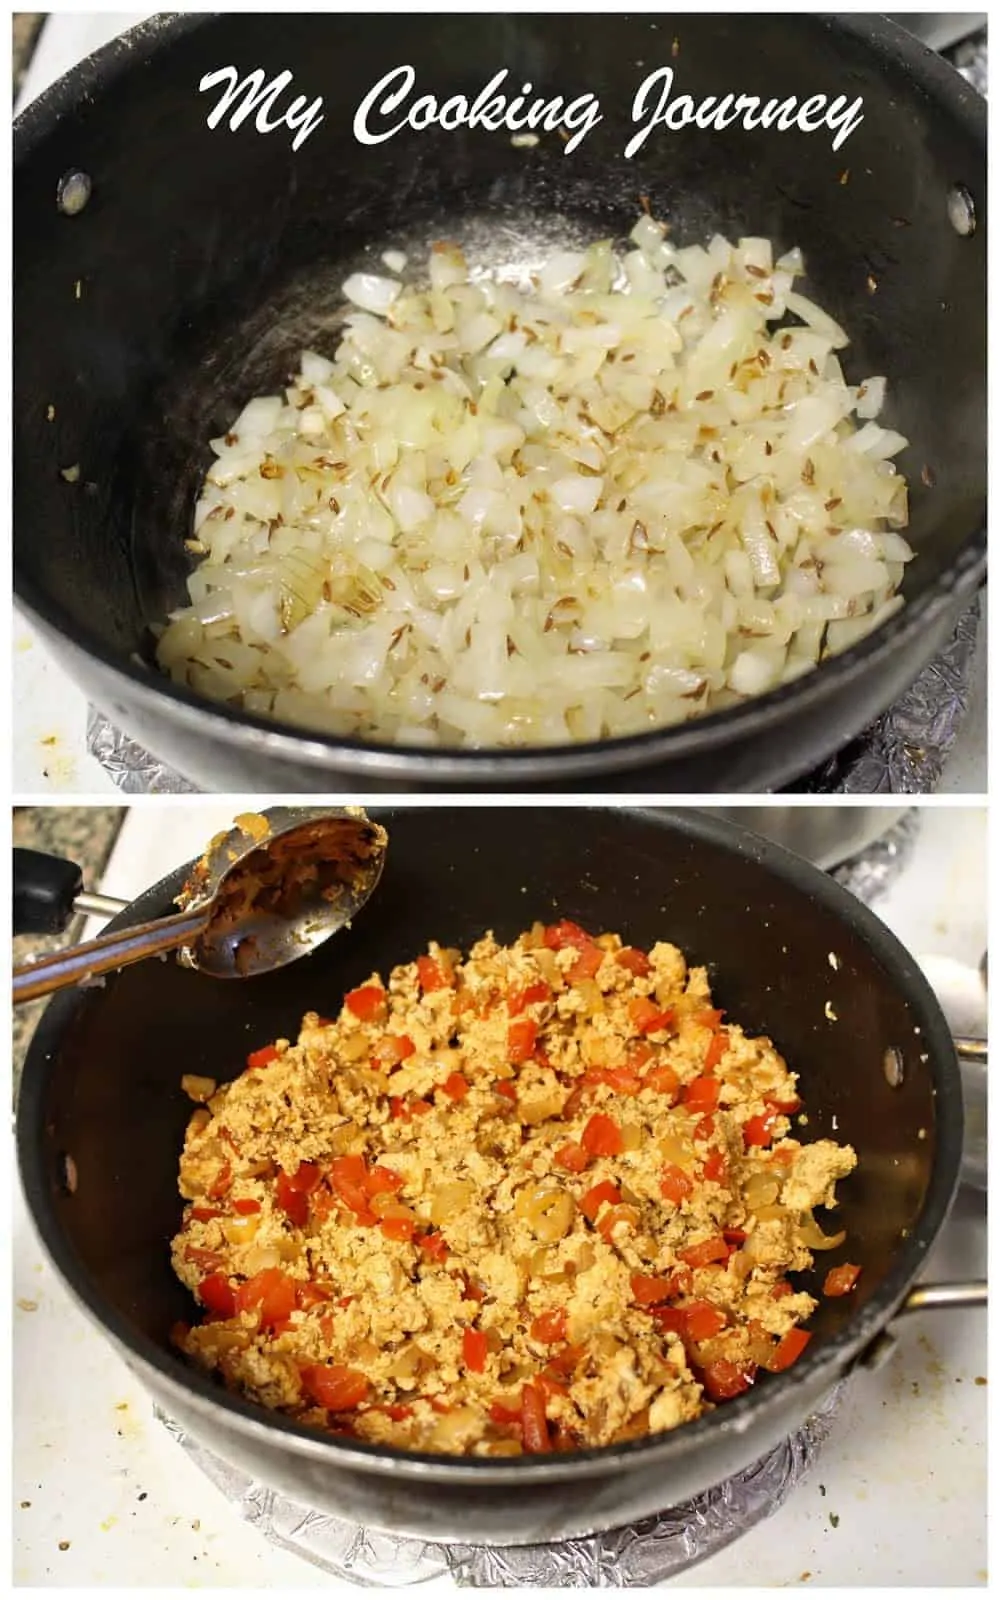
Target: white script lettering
{"x":491,"y":109}
{"x":389,"y":107}
{"x":301,"y":117}
{"x":654,"y":107}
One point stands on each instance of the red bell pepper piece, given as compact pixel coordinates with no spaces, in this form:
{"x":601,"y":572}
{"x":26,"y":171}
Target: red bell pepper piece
{"x":841,"y":1280}
{"x":634,"y":960}
{"x":572,"y":1157}
{"x":600,"y":1194}
{"x":758,"y":1131}
{"x":706,"y":1252}
{"x":533,"y":995}
{"x":566,"y":935}
{"x":647,"y":1017}
{"x":534,"y":1423}
{"x":475,"y":1349}
{"x":336,"y":1388}
{"x":675,"y":1185}
{"x":522,"y":1037}
{"x":431,"y":975}
{"x":701,"y":1095}
{"x":217,"y":1295}
{"x":263,"y":1057}
{"x":602,"y":1136}
{"x":724,"y":1380}
{"x":366,"y":1003}
{"x":550,"y":1327}
{"x":787,"y":1350}
{"x":270,"y":1293}
{"x":703,"y":1321}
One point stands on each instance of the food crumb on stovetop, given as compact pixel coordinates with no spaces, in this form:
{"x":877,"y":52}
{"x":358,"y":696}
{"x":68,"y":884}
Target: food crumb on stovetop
{"x":834,"y":1520}
{"x":64,"y":1544}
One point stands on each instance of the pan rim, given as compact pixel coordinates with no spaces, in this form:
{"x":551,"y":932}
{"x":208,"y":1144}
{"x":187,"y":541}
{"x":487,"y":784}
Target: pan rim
{"x":830,"y":1361}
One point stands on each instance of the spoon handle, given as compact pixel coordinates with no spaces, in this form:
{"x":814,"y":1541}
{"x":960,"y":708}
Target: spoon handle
{"x":64,"y":968}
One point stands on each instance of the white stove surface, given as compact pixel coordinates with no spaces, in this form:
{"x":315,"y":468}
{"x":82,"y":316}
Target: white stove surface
{"x":49,"y":722}
{"x":103,"y":1496}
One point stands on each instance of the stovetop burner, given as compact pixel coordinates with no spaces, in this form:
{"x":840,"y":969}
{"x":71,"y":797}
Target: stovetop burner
{"x":639,"y":1555}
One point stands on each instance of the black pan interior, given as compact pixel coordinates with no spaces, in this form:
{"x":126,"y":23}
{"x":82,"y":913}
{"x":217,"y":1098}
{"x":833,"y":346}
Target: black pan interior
{"x":205,"y":260}
{"x":102,"y":1083}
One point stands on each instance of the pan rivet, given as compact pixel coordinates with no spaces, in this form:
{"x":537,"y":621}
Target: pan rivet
{"x":961,"y":211}
{"x":892,"y":1066}
{"x":73,"y":192}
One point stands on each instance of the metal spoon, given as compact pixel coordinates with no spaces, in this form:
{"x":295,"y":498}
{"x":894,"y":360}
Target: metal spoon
{"x":270,"y":890}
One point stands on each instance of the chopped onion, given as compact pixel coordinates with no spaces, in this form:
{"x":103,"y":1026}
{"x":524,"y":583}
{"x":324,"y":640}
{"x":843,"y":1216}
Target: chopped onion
{"x":812,"y":1236}
{"x":817,"y":319}
{"x":371,"y":292}
{"x":576,"y":494}
{"x":761,"y":1190}
{"x":508,"y":510}
{"x":871,"y":398}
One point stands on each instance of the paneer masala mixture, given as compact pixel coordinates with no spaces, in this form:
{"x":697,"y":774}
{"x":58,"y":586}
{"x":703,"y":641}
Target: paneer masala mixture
{"x":540,"y":1198}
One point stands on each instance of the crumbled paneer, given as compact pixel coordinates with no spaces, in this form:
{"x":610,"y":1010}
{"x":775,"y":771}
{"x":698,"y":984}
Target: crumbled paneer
{"x":543,"y":1198}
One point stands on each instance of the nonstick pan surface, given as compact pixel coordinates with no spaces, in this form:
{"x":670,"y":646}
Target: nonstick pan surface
{"x":102,"y":1086}
{"x":207,"y":258}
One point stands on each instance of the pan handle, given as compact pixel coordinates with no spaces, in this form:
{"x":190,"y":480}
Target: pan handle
{"x":972,"y":1059}
{"x":922,"y":1297}
{"x":945,"y":1296}
{"x":48,"y":890}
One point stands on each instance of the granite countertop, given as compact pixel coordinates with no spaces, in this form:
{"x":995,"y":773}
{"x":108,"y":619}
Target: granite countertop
{"x":25,"y":28}
{"x":84,"y":833}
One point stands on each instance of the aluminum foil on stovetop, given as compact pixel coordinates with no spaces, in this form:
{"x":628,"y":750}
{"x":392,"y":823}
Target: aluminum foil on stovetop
{"x":637,"y":1556}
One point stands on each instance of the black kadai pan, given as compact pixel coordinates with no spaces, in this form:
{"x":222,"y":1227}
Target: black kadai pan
{"x":208,"y":257}
{"x":789,"y":953}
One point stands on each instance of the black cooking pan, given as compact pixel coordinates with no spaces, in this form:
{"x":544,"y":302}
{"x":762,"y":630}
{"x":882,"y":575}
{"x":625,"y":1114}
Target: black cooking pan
{"x":102,"y":1116}
{"x":206,"y":259}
